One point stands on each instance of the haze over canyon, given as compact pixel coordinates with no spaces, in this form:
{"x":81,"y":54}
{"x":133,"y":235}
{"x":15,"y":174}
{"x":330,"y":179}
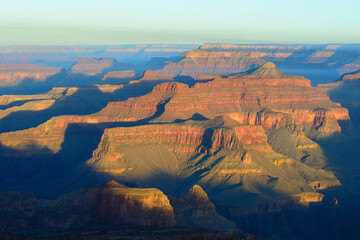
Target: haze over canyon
{"x":177,"y":141}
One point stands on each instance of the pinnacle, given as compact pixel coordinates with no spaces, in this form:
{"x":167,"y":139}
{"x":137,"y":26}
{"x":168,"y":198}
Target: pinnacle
{"x":268,"y":65}
{"x":113,"y":183}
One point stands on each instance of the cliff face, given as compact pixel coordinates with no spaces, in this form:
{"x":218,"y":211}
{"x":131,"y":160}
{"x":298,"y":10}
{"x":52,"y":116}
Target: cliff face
{"x":254,"y":141}
{"x":351,"y":76}
{"x":55,"y":93}
{"x":152,"y":75}
{"x":231,"y":147}
{"x":13,"y":74}
{"x":346,"y":91}
{"x":21,"y":112}
{"x":119,"y":75}
{"x":92,"y":66}
{"x":49,"y":135}
{"x":196,"y":210}
{"x":263,"y":96}
{"x":29,"y":106}
{"x":194,"y":62}
{"x":346,"y":81}
{"x":226,"y":133}
{"x":141,"y":107}
{"x":117,"y":204}
{"x":111,"y":205}
{"x":340,"y":56}
{"x":216,"y":153}
{"x":231,"y":58}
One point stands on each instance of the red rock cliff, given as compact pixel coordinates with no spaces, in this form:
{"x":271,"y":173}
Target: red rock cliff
{"x":12,"y":74}
{"x":92,"y":66}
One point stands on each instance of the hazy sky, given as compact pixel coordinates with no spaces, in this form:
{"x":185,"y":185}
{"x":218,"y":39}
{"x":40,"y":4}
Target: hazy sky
{"x":174,"y":21}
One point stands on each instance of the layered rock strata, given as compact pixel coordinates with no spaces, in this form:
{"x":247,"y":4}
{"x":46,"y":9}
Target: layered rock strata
{"x":111,"y":205}
{"x":92,"y":66}
{"x":13,"y":74}
{"x":119,"y":75}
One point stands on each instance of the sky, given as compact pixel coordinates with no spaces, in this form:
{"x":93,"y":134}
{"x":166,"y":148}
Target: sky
{"x":107,"y":22}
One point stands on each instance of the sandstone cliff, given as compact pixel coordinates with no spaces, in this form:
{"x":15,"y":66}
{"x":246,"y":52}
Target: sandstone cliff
{"x":263,"y":96}
{"x":216,"y":153}
{"x":13,"y":74}
{"x":92,"y":66}
{"x":222,"y":134}
{"x":342,"y":57}
{"x":346,"y":91}
{"x":196,"y":210}
{"x":127,"y":74}
{"x":323,"y":61}
{"x":111,"y":205}
{"x":194,"y":62}
{"x":152,"y":75}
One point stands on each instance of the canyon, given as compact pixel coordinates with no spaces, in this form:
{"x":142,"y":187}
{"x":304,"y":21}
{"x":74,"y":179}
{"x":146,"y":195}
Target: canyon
{"x":13,"y":74}
{"x":320,"y":63}
{"x":226,"y":128}
{"x":346,"y":91}
{"x":218,"y":139}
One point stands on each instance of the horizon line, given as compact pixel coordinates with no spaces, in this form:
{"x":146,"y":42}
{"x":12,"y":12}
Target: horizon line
{"x":186,"y":44}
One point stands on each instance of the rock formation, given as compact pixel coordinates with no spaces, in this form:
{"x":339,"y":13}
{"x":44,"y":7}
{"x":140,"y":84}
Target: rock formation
{"x":194,"y":62}
{"x":196,"y":210}
{"x":343,"y":57}
{"x":269,"y":150}
{"x":255,"y":141}
{"x":346,"y":91}
{"x":252,"y":140}
{"x":13,"y":74}
{"x":110,"y":205}
{"x":346,"y":81}
{"x":263,"y":96}
{"x":92,"y":66}
{"x":225,"y":152}
{"x":127,"y":74}
{"x":152,"y":75}
{"x":320,"y":63}
{"x":351,"y":76}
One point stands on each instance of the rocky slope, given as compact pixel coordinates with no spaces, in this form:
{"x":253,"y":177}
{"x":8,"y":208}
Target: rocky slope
{"x":91,"y":71}
{"x":343,"y":57}
{"x":118,"y":75}
{"x":153,"y":75}
{"x":252,"y":140}
{"x":13,"y":74}
{"x":195,"y":62}
{"x":321,"y":63}
{"x":91,"y":66}
{"x":218,"y":154}
{"x":263,"y":96}
{"x":112,"y":204}
{"x":196,"y":210}
{"x":254,"y":136}
{"x":26,"y":111}
{"x":351,"y":76}
{"x":346,"y":91}
{"x":18,"y":112}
